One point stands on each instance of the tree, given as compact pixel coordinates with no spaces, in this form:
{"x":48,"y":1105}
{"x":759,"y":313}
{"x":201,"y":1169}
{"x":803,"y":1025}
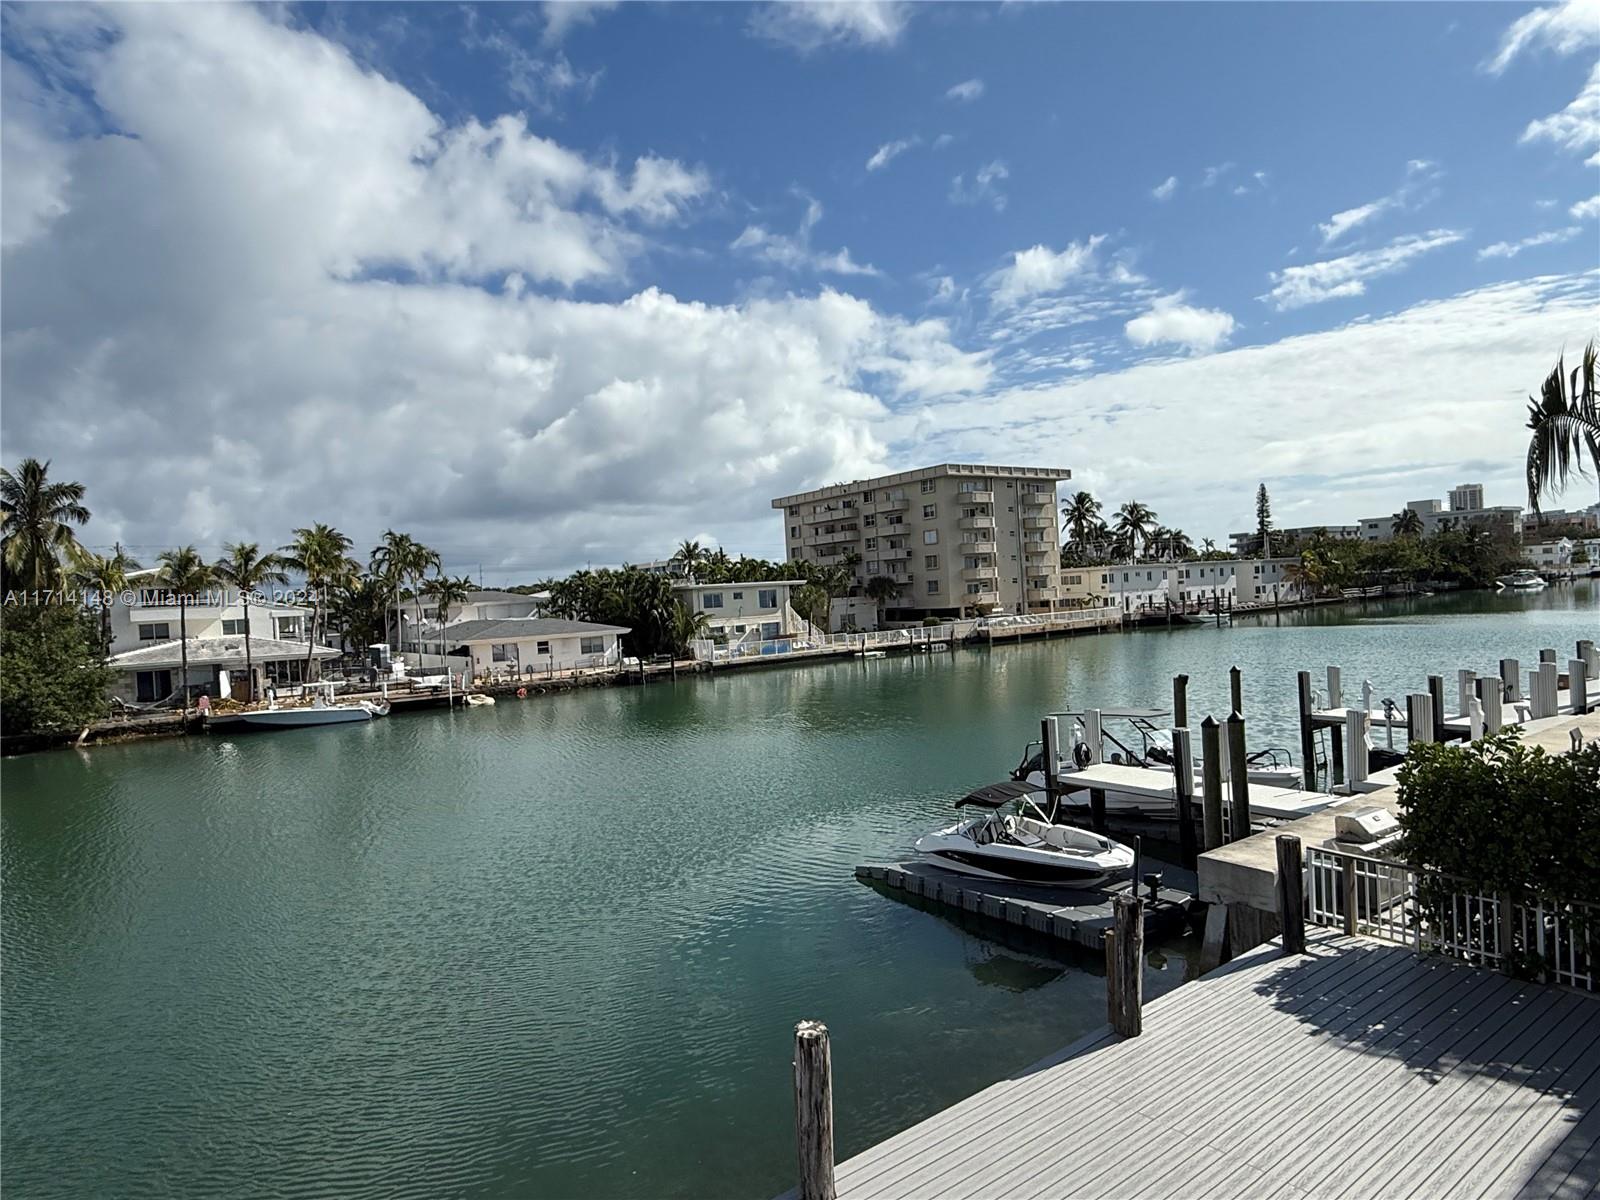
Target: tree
{"x":53,"y":676}
{"x":1406,"y":523}
{"x":812,"y":601}
{"x":36,"y":520}
{"x":881,"y":589}
{"x":105,"y":575}
{"x":183,"y":571}
{"x":446,"y":593}
{"x":1264,"y":520}
{"x":322,"y":556}
{"x":401,"y":559}
{"x":1134,"y":522}
{"x":687,"y":626}
{"x":246,"y":569}
{"x":1081,"y":515}
{"x":360,"y":606}
{"x":688,"y":557}
{"x":1565,"y":422}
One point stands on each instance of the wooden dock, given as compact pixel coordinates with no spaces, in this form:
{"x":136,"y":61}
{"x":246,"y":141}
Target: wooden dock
{"x":1355,"y":1070}
{"x":1076,"y":916}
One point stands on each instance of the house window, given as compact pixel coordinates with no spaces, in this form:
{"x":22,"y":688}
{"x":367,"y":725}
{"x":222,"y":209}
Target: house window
{"x":930,"y":537}
{"x":503,"y":652}
{"x":794,"y":510}
{"x":592,"y":645}
{"x":160,"y":631}
{"x":794,"y":531}
{"x":894,"y":519}
{"x":541,"y":647}
{"x":933,"y":587}
{"x":151,"y":686}
{"x":866,"y":497}
{"x":289,"y":628}
{"x":930,"y":561}
{"x":869,"y":520}
{"x":928,"y":510}
{"x":232,"y":627}
{"x":738,"y":595}
{"x":974,"y":589}
{"x":928,"y":485}
{"x":872,"y":543}
{"x":711,"y":600}
{"x":767,"y":598}
{"x":874,"y":567}
{"x":770,"y":630}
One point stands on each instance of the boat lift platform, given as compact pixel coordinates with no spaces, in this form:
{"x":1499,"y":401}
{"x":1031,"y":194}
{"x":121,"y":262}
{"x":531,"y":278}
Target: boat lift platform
{"x":1281,"y":804}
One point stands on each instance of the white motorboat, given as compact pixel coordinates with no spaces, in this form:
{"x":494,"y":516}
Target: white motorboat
{"x":1522,"y":581}
{"x":321,"y":711}
{"x":1024,"y":845}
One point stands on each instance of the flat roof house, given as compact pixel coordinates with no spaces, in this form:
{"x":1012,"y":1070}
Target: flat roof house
{"x":151,"y":673}
{"x":535,"y":645}
{"x":745,"y":611}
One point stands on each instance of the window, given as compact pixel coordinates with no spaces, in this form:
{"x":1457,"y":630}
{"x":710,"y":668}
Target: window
{"x":930,"y":561}
{"x":157,"y":632}
{"x":866,"y":497}
{"x":794,"y":510}
{"x":930,"y":537}
{"x":794,"y":531}
{"x":933,"y":587}
{"x":974,"y":589}
{"x":770,"y":630}
{"x":232,"y":627}
{"x":152,"y":686}
{"x":928,"y":485}
{"x":894,"y":519}
{"x":767,"y":598}
{"x":289,"y":628}
{"x":592,"y":645}
{"x":711,"y":600}
{"x":928,"y":511}
{"x":541,"y":647}
{"x":1011,"y":508}
{"x":874,"y":568}
{"x":872,"y":543}
{"x":738,"y":595}
{"x":503,"y":652}
{"x":869,"y":520}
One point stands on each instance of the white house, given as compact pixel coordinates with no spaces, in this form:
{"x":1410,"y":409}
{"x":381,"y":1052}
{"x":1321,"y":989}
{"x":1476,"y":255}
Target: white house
{"x":535,"y":645}
{"x":745,"y":611}
{"x":154,"y":672}
{"x":1555,"y":554}
{"x":1132,"y":586}
{"x":478,"y":606}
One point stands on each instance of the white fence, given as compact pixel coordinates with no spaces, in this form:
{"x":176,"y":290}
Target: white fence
{"x":1380,"y":899}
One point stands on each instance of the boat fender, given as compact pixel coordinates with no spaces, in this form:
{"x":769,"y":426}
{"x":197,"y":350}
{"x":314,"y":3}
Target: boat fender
{"x":1080,"y":754}
{"x":522,"y":693}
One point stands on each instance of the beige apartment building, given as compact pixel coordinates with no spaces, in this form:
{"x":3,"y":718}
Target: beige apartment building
{"x":959,"y":539}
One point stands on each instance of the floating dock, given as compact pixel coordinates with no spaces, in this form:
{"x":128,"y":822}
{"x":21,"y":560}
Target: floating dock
{"x":1076,"y":916}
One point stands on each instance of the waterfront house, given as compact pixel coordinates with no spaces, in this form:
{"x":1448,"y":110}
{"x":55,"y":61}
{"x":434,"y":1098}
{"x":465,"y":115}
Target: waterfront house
{"x":745,"y":612}
{"x":1132,"y":586}
{"x":153,"y":672}
{"x":483,"y":605}
{"x":1552,"y":554}
{"x":146,"y":613}
{"x":535,"y":645}
{"x":960,"y":539}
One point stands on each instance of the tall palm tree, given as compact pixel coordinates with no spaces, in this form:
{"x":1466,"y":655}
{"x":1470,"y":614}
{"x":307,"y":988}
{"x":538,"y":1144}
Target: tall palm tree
{"x":390,"y":561}
{"x":420,"y":562}
{"x":246,"y":569}
{"x":322,"y":555}
{"x":36,"y":520}
{"x":360,"y":606}
{"x":880,"y":589}
{"x":1406,"y":523}
{"x":1134,"y":522}
{"x":446,"y":593}
{"x":689,"y":556}
{"x":1565,"y":422}
{"x":106,"y":575}
{"x":1207,"y":545}
{"x":1081,"y":514}
{"x":183,"y":571}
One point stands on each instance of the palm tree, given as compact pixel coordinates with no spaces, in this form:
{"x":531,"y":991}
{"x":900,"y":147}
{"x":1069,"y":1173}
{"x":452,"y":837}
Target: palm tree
{"x":687,"y":626}
{"x":689,"y":556}
{"x":1565,"y":422}
{"x":1081,"y":514}
{"x":1406,"y":523}
{"x":446,"y":593}
{"x":244,"y":568}
{"x":105,"y":575}
{"x":1302,"y":574}
{"x":422,"y":560}
{"x":322,"y":555}
{"x":881,"y":589}
{"x":36,"y":520}
{"x":389,"y":562}
{"x":1178,"y":544}
{"x":183,"y":571}
{"x":360,"y":606}
{"x":1134,"y":521}
{"x":1207,"y":545}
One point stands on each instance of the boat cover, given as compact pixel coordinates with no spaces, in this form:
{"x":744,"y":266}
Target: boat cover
{"x":997,"y":794}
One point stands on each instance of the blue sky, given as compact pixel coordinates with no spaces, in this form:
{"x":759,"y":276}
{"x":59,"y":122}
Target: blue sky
{"x":599,"y":277}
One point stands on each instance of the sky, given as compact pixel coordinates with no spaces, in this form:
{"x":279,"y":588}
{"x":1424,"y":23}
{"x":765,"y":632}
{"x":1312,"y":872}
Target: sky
{"x":554,"y":285}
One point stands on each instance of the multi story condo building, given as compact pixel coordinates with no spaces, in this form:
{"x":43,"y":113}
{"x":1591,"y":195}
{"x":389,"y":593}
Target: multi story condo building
{"x":1466,"y":508}
{"x":957,"y":539}
{"x":1248,"y":544}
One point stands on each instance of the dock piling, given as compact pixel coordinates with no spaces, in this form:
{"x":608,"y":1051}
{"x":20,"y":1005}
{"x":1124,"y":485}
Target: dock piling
{"x":813,"y":1110}
{"x":1355,"y":747}
{"x":1436,"y":695}
{"x":1291,"y":893}
{"x":1211,"y":780}
{"x":1239,"y":772}
{"x":1489,"y":692}
{"x":1511,"y":679}
{"x":1419,"y":717}
{"x":1236,"y":689}
{"x":1335,"y":688}
{"x":1128,"y":952}
{"x":1578,"y":686}
{"x":1308,"y":742}
{"x":1465,"y":688}
{"x":1180,"y":701}
{"x":1049,"y":741}
{"x":1546,"y":656}
{"x":1183,"y":790}
{"x":1591,"y":656}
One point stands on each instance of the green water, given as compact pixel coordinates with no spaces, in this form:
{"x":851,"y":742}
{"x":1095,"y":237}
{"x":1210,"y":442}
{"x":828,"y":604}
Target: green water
{"x":557,"y":948}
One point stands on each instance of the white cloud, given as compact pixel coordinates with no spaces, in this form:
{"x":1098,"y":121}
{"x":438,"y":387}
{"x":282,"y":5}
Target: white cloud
{"x":560,"y":16}
{"x":248,"y":287}
{"x":1419,"y":171}
{"x":888,"y":152}
{"x":1040,"y":270}
{"x":795,"y":253}
{"x":1294,"y":287}
{"x":943,"y":140}
{"x":969,"y":89}
{"x":1564,"y":28}
{"x":1164,"y":190}
{"x":1214,"y":174}
{"x":1584,"y":209}
{"x":1575,"y":128}
{"x":539,"y":83}
{"x":984,"y":188}
{"x":1511,"y":249}
{"x":1170,"y":320}
{"x":808,"y":25}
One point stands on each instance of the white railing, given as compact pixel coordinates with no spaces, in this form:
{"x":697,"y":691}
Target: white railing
{"x":1381,"y":899}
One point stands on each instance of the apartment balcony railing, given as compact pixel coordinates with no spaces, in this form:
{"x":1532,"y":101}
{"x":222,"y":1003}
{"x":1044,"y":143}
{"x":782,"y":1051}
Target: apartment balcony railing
{"x":979,"y":573}
{"x":900,"y":555}
{"x":1040,"y":553}
{"x":976,"y":522}
{"x":886,"y":505}
{"x":978,"y":543}
{"x":1039,"y":499}
{"x":1037,"y":522}
{"x":1041,"y":589}
{"x":989,"y":596}
{"x":977,"y":497}
{"x":834,"y":537}
{"x":826,"y":515}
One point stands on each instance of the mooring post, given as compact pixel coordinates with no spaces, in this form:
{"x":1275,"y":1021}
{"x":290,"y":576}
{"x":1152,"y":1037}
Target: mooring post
{"x":1129,"y":950}
{"x":1335,"y":688}
{"x":1474,"y":719}
{"x":1419,"y":717}
{"x":1547,"y":656}
{"x":1183,"y":791}
{"x":1211,"y":753}
{"x":1591,"y":656}
{"x":813,"y":1110}
{"x":1578,"y":686}
{"x":1366,"y":696}
{"x":1092,"y":735}
{"x":1048,"y":735}
{"x":1548,"y":691}
{"x":1436,"y":694}
{"x":1489,"y":696}
{"x":1465,"y":689}
{"x":1180,"y":701}
{"x":1511,"y":679}
{"x":1239,"y":777}
{"x":1109,"y":940}
{"x":1308,"y":740}
{"x":1291,"y":894}
{"x":1355,"y":748}
{"x":1236,"y":689}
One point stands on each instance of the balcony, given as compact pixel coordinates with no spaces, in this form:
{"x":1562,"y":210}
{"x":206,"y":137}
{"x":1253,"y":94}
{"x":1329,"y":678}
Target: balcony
{"x":974,"y":574}
{"x":900,"y":555}
{"x":976,"y":523}
{"x":981,"y":598}
{"x":1040,"y":555}
{"x":836,"y":537}
{"x":1045,"y":593}
{"x":1038,"y":522}
{"x":834,"y":513}
{"x":976,"y":497}
{"x":978,"y":543}
{"x":1039,"y":499}
{"x":886,"y":506}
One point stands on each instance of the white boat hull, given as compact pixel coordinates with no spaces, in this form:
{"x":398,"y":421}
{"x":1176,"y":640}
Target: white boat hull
{"x":332,"y":714}
{"x":1084,"y":861}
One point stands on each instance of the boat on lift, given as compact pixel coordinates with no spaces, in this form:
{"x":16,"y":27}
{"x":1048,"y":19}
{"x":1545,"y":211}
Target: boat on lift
{"x":1024,"y":844}
{"x":321,"y":711}
{"x":1524,"y":580}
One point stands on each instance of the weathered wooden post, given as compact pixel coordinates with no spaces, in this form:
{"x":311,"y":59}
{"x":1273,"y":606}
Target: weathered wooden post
{"x":1577,"y":686}
{"x":1548,"y":691}
{"x":1511,"y":679}
{"x":1239,"y":772}
{"x":1436,"y":695}
{"x":1291,"y":894}
{"x":1211,"y":781}
{"x":813,"y":1110}
{"x":1489,"y":691}
{"x":1183,"y":792}
{"x":1128,"y":949}
{"x":1308,"y":739}
{"x":1335,"y":688}
{"x":1419,"y":717}
{"x":1590,"y":656}
{"x":1546,"y":656}
{"x":1236,"y":689}
{"x":1180,"y":701}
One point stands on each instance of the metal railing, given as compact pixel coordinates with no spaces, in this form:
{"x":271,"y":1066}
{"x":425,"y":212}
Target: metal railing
{"x":1559,"y":941}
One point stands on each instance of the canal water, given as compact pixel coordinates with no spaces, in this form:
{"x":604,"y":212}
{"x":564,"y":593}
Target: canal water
{"x":557,"y":948}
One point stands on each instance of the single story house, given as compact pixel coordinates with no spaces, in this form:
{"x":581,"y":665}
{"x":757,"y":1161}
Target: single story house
{"x":154,"y":672}
{"x":533,"y":645}
{"x":745,"y":611}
